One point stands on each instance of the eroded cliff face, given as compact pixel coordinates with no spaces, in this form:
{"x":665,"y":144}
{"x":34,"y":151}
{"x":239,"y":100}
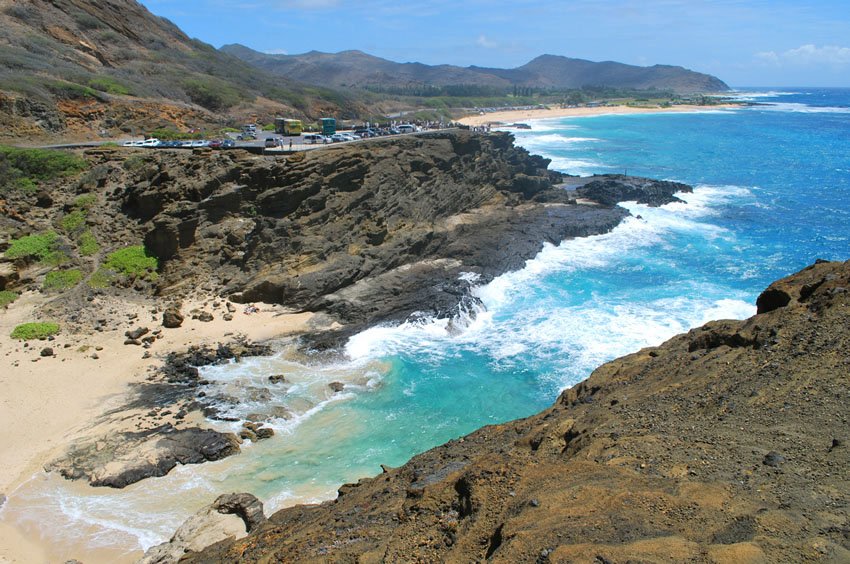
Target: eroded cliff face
{"x":725,"y":444}
{"x":366,"y":231}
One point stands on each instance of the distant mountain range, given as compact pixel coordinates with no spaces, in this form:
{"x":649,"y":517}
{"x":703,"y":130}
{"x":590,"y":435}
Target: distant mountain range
{"x":358,"y":69}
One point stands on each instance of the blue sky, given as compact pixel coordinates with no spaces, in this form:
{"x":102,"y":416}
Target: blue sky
{"x":744,"y":42}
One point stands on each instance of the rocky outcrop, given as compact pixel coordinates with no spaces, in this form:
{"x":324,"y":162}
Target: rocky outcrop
{"x":305,"y":230}
{"x":125,"y":458}
{"x":611,"y":189}
{"x":725,"y":444}
{"x":230,"y":516}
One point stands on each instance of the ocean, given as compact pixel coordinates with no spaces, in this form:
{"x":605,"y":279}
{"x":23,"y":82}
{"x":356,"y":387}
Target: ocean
{"x":772,"y":195}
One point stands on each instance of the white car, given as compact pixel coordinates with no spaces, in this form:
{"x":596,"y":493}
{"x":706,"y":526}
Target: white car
{"x":152,"y":142}
{"x":338,"y":137}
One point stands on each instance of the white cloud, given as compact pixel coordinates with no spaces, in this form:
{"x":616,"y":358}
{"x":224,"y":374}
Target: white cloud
{"x":486,"y":43}
{"x":807,"y":55}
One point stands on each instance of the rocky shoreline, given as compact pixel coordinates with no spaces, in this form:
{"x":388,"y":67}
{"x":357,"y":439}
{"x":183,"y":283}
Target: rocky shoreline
{"x":725,"y":444}
{"x":368,"y":233}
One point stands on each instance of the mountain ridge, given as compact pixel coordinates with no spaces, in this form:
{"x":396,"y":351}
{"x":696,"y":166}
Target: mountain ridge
{"x":357,"y":68}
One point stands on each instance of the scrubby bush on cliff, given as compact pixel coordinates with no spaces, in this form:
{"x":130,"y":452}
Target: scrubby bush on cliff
{"x":73,"y":222}
{"x":211,"y":93}
{"x":88,"y":245}
{"x":24,"y":168}
{"x":7,"y":297}
{"x":134,"y":262}
{"x":59,"y":280}
{"x":28,"y":331}
{"x":40,"y":246}
{"x":109,"y":85}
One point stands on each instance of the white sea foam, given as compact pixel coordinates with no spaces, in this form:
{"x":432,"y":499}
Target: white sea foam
{"x":805,"y":109}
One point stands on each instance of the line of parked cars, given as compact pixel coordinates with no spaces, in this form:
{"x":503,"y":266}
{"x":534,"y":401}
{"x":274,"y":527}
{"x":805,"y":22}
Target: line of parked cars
{"x":188,"y":144}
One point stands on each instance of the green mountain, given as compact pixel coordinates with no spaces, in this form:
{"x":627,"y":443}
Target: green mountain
{"x":355,"y":68}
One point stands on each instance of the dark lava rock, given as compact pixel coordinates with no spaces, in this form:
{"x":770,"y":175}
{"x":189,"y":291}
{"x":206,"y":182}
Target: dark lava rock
{"x":46,"y":351}
{"x":336,"y":386}
{"x":277,"y":379}
{"x":137,"y":333}
{"x":773,"y":458}
{"x":43,"y":199}
{"x":264,"y":433}
{"x":205,"y":316}
{"x":125,"y":458}
{"x":611,"y":189}
{"x":172,"y":318}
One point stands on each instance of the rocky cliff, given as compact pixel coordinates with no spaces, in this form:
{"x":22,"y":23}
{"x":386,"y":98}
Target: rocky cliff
{"x":725,"y":444}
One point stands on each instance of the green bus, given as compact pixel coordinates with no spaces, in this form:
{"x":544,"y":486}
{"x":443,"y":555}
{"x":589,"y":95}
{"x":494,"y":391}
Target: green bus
{"x":328,"y":126}
{"x":287,"y":127}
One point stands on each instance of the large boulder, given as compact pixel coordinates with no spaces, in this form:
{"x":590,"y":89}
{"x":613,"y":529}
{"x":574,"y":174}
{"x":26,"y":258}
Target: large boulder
{"x":230,"y":516}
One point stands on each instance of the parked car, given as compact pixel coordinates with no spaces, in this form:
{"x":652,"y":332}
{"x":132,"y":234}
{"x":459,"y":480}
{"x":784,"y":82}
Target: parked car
{"x":152,"y":142}
{"x":215,"y":144}
{"x":200,"y":143}
{"x":315,"y":138}
{"x":228,"y":144}
{"x":271,"y":142}
{"x":341,"y":137}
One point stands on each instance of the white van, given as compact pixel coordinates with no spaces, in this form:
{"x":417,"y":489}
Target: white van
{"x":406,"y":128}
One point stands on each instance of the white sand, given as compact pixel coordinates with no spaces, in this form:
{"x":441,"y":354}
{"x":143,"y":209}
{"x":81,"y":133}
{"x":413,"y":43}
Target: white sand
{"x":47,"y":402}
{"x":515,"y":116}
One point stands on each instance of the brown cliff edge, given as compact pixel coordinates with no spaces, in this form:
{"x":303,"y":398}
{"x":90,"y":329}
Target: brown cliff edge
{"x":725,"y":444}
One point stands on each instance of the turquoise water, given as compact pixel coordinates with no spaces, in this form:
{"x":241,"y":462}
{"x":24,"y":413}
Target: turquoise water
{"x":772,"y":195}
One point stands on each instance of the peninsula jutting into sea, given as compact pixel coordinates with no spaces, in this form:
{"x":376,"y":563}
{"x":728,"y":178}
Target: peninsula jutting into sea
{"x":326,"y":307}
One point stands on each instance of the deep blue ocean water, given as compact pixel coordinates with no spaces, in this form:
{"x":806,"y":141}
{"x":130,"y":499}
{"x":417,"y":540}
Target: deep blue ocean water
{"x":772,"y":194}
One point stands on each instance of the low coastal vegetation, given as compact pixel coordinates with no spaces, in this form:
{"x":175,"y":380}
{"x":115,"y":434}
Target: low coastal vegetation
{"x":35,"y":330}
{"x":23,"y":169}
{"x":59,"y":280}
{"x":38,"y":246}
{"x":7,"y":297}
{"x":87,"y":244}
{"x":133,"y":262}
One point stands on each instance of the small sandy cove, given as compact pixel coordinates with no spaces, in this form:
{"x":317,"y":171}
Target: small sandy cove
{"x":515,"y":116}
{"x":46,"y":402}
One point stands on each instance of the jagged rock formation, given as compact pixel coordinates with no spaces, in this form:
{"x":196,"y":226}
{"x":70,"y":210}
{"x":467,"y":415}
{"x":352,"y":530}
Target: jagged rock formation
{"x":229,"y":516}
{"x":725,"y":444}
{"x":125,"y":458}
{"x":367,"y":232}
{"x":611,"y":189}
{"x":356,"y":68}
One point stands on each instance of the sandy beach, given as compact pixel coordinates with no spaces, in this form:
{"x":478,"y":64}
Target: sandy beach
{"x":49,"y":401}
{"x":514,"y":116}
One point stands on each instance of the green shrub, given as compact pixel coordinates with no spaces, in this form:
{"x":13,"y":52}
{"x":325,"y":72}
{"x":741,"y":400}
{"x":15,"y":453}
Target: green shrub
{"x":59,"y":280}
{"x":23,"y":168}
{"x":133,"y":261}
{"x":168,"y":134}
{"x":7,"y":297}
{"x":101,"y":279}
{"x":268,"y":127}
{"x":211,"y":93}
{"x":86,"y":201}
{"x":74,"y":221}
{"x":88,"y":245}
{"x":40,"y":245}
{"x":72,"y":91}
{"x":109,"y":85}
{"x":28,"y":331}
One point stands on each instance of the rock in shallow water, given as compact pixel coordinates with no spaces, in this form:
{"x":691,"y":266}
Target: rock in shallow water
{"x":125,"y":458}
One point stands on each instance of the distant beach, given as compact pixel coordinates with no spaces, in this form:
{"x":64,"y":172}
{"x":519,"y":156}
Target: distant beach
{"x":515,"y":116}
